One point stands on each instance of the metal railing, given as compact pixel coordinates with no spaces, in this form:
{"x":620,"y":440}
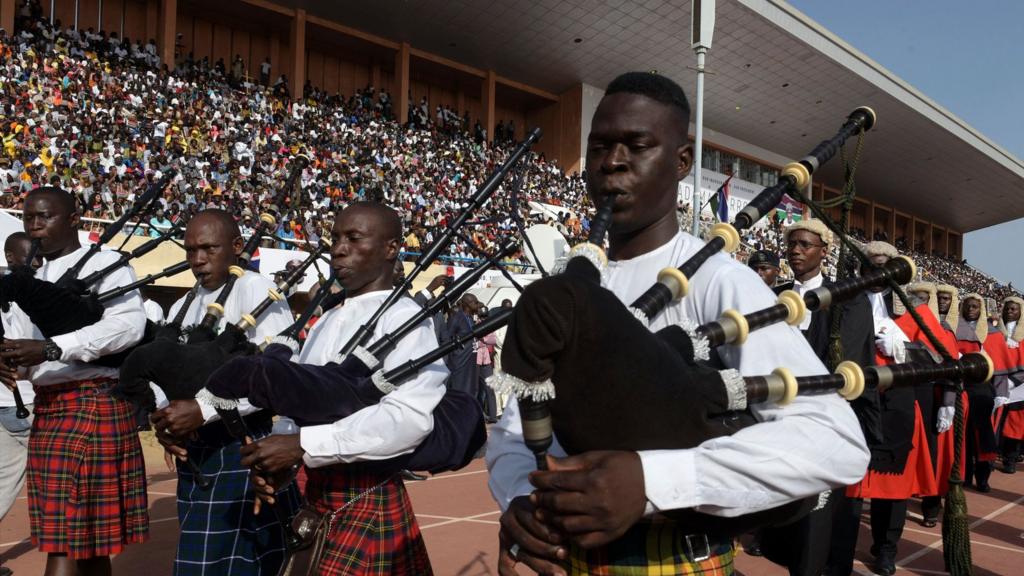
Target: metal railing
{"x":512,"y":266}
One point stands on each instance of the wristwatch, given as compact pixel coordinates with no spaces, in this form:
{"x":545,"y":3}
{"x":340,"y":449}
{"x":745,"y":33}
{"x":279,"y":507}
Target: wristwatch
{"x":51,"y":351}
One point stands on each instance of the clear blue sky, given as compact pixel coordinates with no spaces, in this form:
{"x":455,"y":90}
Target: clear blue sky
{"x":968,"y":57}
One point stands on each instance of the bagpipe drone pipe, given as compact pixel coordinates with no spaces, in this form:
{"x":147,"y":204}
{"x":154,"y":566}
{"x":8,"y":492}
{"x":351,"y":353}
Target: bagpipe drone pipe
{"x":584,"y":366}
{"x":313,"y":394}
{"x":733,"y":327}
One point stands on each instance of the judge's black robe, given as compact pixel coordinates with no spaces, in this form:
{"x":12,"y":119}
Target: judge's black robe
{"x":803,"y":546}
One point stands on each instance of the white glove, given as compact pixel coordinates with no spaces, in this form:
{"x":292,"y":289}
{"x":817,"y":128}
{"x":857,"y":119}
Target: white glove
{"x":891,"y":345}
{"x":1012,"y":343}
{"x":945,"y":418}
{"x":999,"y":401}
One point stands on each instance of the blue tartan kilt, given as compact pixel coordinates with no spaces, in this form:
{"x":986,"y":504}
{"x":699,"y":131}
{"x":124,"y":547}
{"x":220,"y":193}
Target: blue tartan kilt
{"x":220,"y":534}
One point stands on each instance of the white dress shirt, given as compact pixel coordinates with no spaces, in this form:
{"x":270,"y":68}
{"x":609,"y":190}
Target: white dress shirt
{"x":878,"y":306}
{"x":153,"y":311}
{"x":403,"y":418}
{"x":121,"y":326}
{"x":16,"y":325}
{"x":890,"y":340}
{"x":249,"y":290}
{"x":802,"y":288}
{"x":800,"y":450}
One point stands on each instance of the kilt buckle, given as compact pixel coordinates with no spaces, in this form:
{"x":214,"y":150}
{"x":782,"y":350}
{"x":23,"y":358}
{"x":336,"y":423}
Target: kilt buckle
{"x":697,"y":546}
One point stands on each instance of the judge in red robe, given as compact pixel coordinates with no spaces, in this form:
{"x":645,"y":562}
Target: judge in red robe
{"x":1009,"y":417}
{"x":973,"y":334}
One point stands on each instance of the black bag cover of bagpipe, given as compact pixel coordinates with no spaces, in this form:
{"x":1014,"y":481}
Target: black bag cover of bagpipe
{"x":306,"y":393}
{"x":54,"y":309}
{"x":618,"y":385}
{"x":180,"y":370}
{"x":312,"y":395}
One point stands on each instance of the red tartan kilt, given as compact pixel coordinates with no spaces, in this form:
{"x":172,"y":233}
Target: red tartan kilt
{"x":944,"y":451}
{"x":917,"y":478}
{"x":1013,"y":427}
{"x":374,"y":534}
{"x":86,"y":477}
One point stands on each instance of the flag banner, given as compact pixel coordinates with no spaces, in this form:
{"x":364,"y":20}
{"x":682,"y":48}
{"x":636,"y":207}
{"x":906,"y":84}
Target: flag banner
{"x":254,"y":263}
{"x":721,"y":206}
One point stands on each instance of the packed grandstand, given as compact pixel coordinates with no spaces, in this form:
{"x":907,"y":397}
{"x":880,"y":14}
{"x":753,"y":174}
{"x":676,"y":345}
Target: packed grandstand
{"x":94,"y":114}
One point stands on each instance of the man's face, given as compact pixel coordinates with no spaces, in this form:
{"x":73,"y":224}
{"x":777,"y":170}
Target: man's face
{"x":19,"y":252}
{"x":768,"y":273}
{"x":47,"y":219}
{"x":635,"y":151}
{"x":399,"y":274}
{"x":945,"y":300}
{"x":210,"y":250}
{"x":359,"y":249}
{"x":804,"y":251}
{"x":1011,"y":312}
{"x":921,"y":295}
{"x":971,"y":309}
{"x":878,"y":260}
{"x":470,"y":304}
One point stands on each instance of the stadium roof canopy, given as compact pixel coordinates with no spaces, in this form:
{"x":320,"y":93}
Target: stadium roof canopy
{"x":778,"y":81}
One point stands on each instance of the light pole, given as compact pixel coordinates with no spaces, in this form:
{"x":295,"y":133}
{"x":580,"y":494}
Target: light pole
{"x":701,"y":31}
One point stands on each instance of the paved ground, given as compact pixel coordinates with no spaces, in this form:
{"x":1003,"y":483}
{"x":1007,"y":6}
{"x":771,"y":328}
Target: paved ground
{"x":460,"y":524}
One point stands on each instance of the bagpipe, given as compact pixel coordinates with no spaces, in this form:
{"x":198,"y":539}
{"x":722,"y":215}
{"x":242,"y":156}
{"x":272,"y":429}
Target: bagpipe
{"x":70,"y":303}
{"x":571,"y":336}
{"x":193,"y":361}
{"x":181,"y":369}
{"x":311,"y":394}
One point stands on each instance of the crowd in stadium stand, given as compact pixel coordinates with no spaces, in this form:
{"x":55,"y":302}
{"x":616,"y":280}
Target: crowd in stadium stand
{"x":97,"y":115}
{"x":93,"y":114}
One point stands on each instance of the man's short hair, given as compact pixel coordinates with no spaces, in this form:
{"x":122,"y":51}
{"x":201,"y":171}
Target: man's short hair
{"x":63,"y":197}
{"x":387,"y":217}
{"x":222,"y":217}
{"x":654,"y":86}
{"x":11,"y":242}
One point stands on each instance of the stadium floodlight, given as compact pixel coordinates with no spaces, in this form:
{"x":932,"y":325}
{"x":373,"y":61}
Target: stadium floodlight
{"x":702,"y":29}
{"x":703,"y":23}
